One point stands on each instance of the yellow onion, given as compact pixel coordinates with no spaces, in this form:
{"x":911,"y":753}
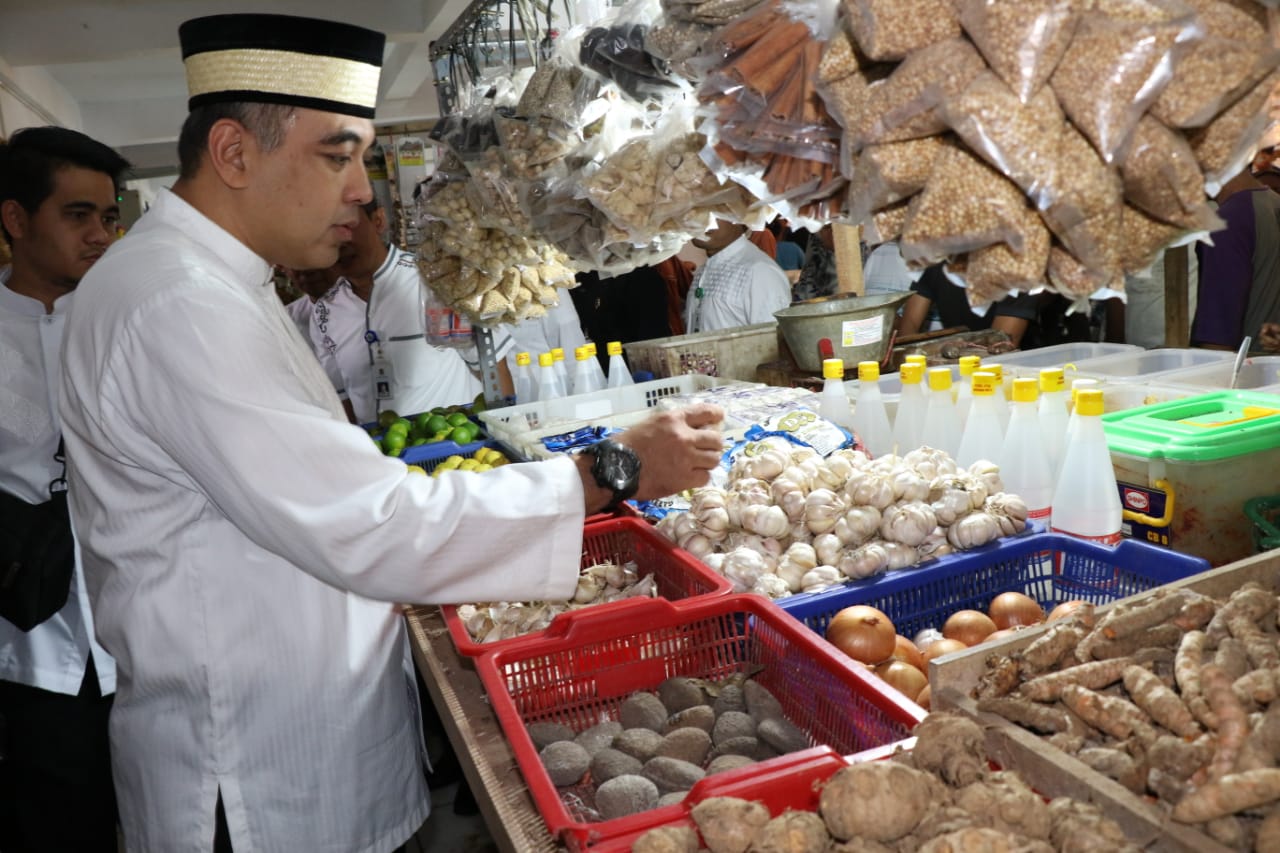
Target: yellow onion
{"x":1066,"y":608}
{"x":1015,"y":610}
{"x":968,"y":626}
{"x":903,"y":677}
{"x":942,"y":647}
{"x":924,"y":698}
{"x":863,"y":633}
{"x":906,"y":651}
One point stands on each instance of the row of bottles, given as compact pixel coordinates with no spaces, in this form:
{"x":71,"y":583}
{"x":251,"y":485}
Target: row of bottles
{"x":552,"y":380}
{"x":1057,"y":462}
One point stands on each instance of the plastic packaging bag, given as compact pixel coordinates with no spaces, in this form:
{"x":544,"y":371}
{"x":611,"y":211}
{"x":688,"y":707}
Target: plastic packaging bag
{"x":965,"y":205}
{"x":1118,"y":62}
{"x":884,"y":174}
{"x":1081,"y":204}
{"x":1022,"y":40}
{"x":994,"y":272}
{"x":1162,"y":178}
{"x":889,"y":30}
{"x":1225,"y":145}
{"x":1019,"y":139}
{"x":615,"y":48}
{"x":1145,"y":238}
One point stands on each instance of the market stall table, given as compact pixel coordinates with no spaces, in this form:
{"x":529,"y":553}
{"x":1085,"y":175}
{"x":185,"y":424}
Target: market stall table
{"x":487,"y":760}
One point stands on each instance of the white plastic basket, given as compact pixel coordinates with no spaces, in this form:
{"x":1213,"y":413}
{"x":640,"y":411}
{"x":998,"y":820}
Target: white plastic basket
{"x":568,"y":413}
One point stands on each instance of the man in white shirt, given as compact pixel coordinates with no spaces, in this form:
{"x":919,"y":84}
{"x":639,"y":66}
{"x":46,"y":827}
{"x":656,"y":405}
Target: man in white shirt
{"x":58,"y":211}
{"x":368,"y":331}
{"x":739,"y":285}
{"x":244,"y":544}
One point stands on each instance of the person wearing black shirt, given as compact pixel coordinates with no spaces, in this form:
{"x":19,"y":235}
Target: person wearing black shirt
{"x":1013,"y":315}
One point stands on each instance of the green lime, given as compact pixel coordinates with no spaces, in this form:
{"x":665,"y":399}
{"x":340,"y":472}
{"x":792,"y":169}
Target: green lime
{"x":405,"y":422}
{"x":417,"y":441}
{"x":421,"y":421}
{"x":473,"y":428}
{"x":393,"y":444}
{"x":457,"y":419}
{"x":387,"y":418}
{"x":438,"y":423}
{"x":460,"y":435}
{"x":440,"y":436}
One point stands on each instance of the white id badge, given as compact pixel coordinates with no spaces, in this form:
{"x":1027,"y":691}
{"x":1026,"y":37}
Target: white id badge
{"x":384,"y":376}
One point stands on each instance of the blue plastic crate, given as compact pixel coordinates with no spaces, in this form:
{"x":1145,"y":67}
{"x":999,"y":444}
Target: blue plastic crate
{"x":429,"y":456}
{"x":1049,"y":567}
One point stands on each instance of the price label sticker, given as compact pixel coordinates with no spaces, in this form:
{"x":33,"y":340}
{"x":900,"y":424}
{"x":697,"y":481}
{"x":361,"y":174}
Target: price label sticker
{"x":857,"y":333}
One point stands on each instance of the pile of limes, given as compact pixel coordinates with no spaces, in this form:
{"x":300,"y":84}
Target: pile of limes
{"x":395,"y":433}
{"x":484,"y":459}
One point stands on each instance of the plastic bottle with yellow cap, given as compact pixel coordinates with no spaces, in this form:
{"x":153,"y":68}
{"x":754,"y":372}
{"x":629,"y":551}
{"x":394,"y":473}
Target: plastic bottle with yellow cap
{"x":833,"y":402}
{"x":1053,"y":416}
{"x":619,"y":373}
{"x":557,"y":358}
{"x":1002,"y":399}
{"x":963,"y":389}
{"x":870,"y":420}
{"x":584,"y":378}
{"x":982,"y":438}
{"x":549,"y":385}
{"x":601,"y":380}
{"x":908,"y":421}
{"x":526,"y":385}
{"x":941,"y":423}
{"x":1024,"y":462}
{"x":1086,"y":502}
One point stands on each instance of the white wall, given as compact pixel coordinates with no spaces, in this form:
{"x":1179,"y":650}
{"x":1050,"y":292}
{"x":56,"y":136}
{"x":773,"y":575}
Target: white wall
{"x":39,"y":86}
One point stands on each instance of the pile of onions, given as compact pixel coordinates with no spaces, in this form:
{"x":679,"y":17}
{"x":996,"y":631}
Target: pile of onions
{"x":863,"y":633}
{"x":1066,"y":608}
{"x":1015,"y":610}
{"x":903,"y":677}
{"x":942,"y":647}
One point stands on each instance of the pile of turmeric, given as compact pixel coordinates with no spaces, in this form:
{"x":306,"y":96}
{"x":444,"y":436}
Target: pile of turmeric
{"x":1173,"y":696}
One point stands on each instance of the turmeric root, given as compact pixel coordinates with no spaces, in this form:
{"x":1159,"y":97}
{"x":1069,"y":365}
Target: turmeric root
{"x":1259,"y":686}
{"x":1110,"y":715}
{"x":1000,"y":678}
{"x":1233,"y":720}
{"x":1059,"y":641}
{"x":1268,"y":837}
{"x":1122,"y":622}
{"x":1162,"y":704}
{"x":1095,"y":675}
{"x":1262,"y":746}
{"x":1250,"y":602}
{"x":1231,"y":657}
{"x":1180,"y":758}
{"x":1232,"y":793}
{"x":1259,"y":647}
{"x":1118,"y":765}
{"x":1045,"y":719}
{"x":1161,"y":635}
{"x":1196,"y":612}
{"x":1186,"y":672}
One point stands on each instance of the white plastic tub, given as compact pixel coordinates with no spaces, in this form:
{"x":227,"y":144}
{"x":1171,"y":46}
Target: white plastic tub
{"x":1030,"y":362}
{"x":1255,"y":373}
{"x":1150,"y":364}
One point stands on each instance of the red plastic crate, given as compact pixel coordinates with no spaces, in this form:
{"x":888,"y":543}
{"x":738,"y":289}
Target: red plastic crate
{"x":584,"y":667}
{"x":678,"y":574}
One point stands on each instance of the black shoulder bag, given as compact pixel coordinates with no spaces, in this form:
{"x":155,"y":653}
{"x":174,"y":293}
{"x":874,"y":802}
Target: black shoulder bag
{"x":37,"y":554}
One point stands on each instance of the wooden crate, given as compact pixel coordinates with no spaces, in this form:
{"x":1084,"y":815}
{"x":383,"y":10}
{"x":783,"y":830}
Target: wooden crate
{"x":1053,"y":772}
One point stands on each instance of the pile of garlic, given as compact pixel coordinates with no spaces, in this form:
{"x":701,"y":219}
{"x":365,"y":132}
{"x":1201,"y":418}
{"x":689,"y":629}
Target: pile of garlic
{"x":792,"y":521}
{"x":501,"y":620}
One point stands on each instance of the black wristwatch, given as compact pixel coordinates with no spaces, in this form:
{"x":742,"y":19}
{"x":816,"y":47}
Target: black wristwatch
{"x":615,"y":467}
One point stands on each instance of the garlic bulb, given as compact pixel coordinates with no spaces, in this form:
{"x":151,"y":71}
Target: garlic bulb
{"x":767,"y":521}
{"x":901,"y":556}
{"x":590,"y":587}
{"x":698,"y":545}
{"x":801,"y":453}
{"x":865,"y":561}
{"x":790,"y":496}
{"x":1009,"y":511}
{"x":827,"y":548}
{"x":886,"y":464}
{"x":771,"y":586}
{"x":800,"y":532}
{"x":867,"y":488}
{"x":857,"y":525}
{"x":765,"y":466}
{"x":908,"y":523}
{"x":820,"y":578}
{"x":930,"y":463}
{"x":793,"y":565}
{"x":743,"y":567}
{"x":715,"y":562}
{"x":814,"y":470}
{"x":821,"y":509}
{"x":908,"y":485}
{"x":833,"y":473}
{"x":798,"y":475}
{"x":989,"y":473}
{"x":934,"y":545}
{"x":976,"y":528}
{"x":667,"y":525}
{"x":949,"y":504}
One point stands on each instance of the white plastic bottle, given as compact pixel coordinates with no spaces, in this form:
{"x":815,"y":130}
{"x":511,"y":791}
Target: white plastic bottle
{"x":908,"y":423}
{"x":525,"y":383}
{"x":1024,"y":461}
{"x":557,"y":358}
{"x":1053,"y":416}
{"x":963,"y":389}
{"x":549,"y":385}
{"x":870,"y":420}
{"x":917,"y":358}
{"x":584,"y":378}
{"x":1077,"y":385}
{"x":982,"y":438}
{"x":833,"y":402}
{"x":619,"y":373}
{"x":1002,"y":399}
{"x":1086,"y":503}
{"x":601,"y":380}
{"x":941,"y":423}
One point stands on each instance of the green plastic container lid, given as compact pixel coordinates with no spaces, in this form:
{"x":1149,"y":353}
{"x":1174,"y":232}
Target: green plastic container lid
{"x":1220,"y":425}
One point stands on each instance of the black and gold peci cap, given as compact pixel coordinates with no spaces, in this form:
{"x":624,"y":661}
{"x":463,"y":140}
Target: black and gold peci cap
{"x":282,"y":59}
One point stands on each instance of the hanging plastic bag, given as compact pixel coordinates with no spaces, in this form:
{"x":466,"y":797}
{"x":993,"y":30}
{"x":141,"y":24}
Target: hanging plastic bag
{"x":1162,"y":178}
{"x":1224,"y":146}
{"x":889,"y":30}
{"x":1022,"y":40}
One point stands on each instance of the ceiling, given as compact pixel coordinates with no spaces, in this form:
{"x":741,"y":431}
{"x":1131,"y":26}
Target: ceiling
{"x":119,"y":59}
